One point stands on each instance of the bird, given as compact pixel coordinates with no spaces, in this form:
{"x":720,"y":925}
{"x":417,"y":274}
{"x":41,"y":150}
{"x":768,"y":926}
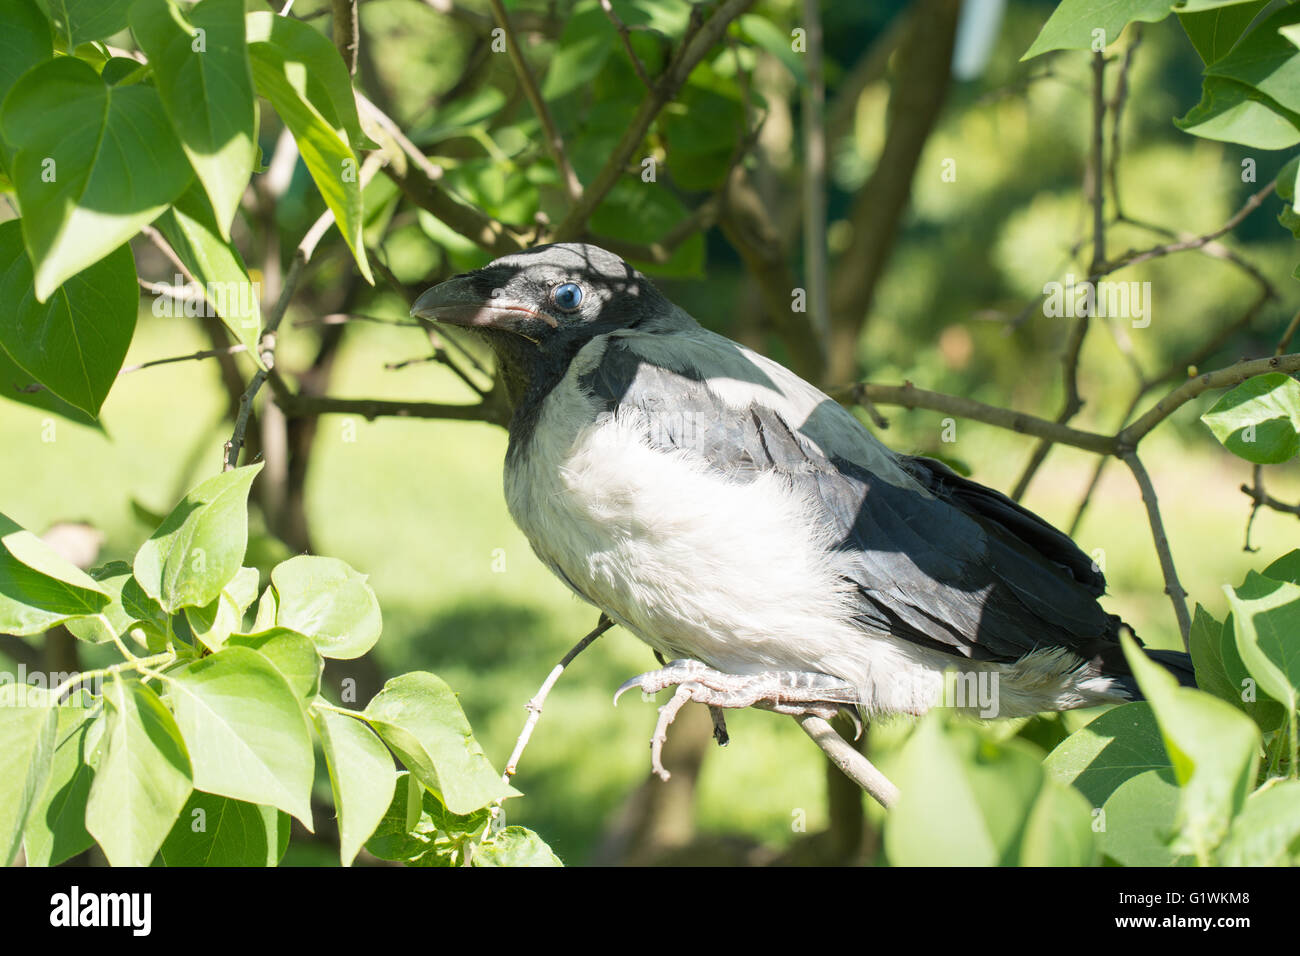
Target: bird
{"x":759,"y":538}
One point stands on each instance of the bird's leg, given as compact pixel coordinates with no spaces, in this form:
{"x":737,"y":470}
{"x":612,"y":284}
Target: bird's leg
{"x":786,"y":692}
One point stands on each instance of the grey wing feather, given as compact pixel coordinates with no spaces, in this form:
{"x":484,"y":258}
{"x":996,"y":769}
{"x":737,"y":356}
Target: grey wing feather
{"x":936,"y":558}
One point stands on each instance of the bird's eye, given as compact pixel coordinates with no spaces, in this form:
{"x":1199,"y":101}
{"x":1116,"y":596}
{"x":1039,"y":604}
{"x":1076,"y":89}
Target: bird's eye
{"x":567,"y":297}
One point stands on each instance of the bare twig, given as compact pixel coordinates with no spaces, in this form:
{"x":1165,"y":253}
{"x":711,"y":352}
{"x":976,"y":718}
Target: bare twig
{"x":626,"y":35}
{"x":1223,"y":378}
{"x":551,"y":133}
{"x":298,"y":406}
{"x":699,"y":40}
{"x":347,"y":32}
{"x":1079,"y":332}
{"x":908,"y":395}
{"x":204,"y":354}
{"x":266,"y":346}
{"x":534,"y":706}
{"x":1173,"y":588}
{"x":1133,"y":257}
{"x":854,"y":765}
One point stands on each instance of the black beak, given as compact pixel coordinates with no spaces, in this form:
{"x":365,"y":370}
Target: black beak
{"x":469,"y":301}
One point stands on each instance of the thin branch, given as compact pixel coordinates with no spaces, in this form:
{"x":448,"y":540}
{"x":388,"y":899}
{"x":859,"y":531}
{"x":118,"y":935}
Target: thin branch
{"x":204,"y":354}
{"x":550,"y":132}
{"x":300,"y":406}
{"x":347,"y":32}
{"x":1116,"y":107}
{"x":1133,"y":257}
{"x":854,"y":765}
{"x":266,"y":346}
{"x":908,"y":395}
{"x":1079,"y":332}
{"x":626,"y":35}
{"x":1265,"y":500}
{"x":1172,"y":586}
{"x":534,"y":706}
{"x":699,"y":40}
{"x":1184,"y":393}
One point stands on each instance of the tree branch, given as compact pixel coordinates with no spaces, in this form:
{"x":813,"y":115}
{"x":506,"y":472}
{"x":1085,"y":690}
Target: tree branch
{"x":551,"y":133}
{"x":1172,"y":586}
{"x":854,"y":765}
{"x":699,"y":39}
{"x":298,"y":406}
{"x":347,"y":32}
{"x":626,"y":36}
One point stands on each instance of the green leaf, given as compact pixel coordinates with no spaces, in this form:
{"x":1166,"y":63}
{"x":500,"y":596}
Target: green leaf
{"x":1140,"y":821}
{"x":215,"y":622}
{"x":191,"y":230}
{"x":1205,"y":643}
{"x":324,"y":77}
{"x":28,"y":727}
{"x":56,"y":825}
{"x":362,"y":778}
{"x":94,"y":163}
{"x":113,"y":620}
{"x":246,"y":731}
{"x":1071,"y":25}
{"x":1234,"y":112}
{"x":1267,"y":831}
{"x":24,"y":42}
{"x":1214,"y":750}
{"x":143,"y":778}
{"x":290,"y":653}
{"x":419,"y":717}
{"x":417,"y":829}
{"x":200,"y":60}
{"x":634,"y":212}
{"x":74,"y":342}
{"x":1251,"y":699}
{"x":38,"y":587}
{"x":514,"y":846}
{"x":1266,"y":61}
{"x":82,"y":20}
{"x":294,"y":74}
{"x":1213,"y":31}
{"x":16,"y":385}
{"x":200,"y":546}
{"x":1285,"y":568}
{"x":586,"y":42}
{"x":969,"y":800}
{"x":1266,"y":614}
{"x":329,"y":602}
{"x":1118,"y":745}
{"x":218,"y":831}
{"x":1259,"y":420}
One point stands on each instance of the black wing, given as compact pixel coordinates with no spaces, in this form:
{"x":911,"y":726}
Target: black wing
{"x":937,"y":559}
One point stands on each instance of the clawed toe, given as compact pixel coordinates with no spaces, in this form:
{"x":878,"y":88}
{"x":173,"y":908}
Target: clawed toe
{"x":785,"y":692}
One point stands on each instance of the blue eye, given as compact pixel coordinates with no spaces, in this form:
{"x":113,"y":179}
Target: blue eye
{"x":568,"y":296}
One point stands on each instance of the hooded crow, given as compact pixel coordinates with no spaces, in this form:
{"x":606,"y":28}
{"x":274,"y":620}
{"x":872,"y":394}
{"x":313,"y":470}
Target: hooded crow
{"x":752,"y":531}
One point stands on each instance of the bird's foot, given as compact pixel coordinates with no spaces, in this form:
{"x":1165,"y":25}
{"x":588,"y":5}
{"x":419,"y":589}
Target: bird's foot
{"x":786,"y":692}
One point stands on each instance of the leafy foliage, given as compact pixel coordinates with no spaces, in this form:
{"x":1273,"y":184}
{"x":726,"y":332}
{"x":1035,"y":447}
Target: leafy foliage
{"x":199,"y":744}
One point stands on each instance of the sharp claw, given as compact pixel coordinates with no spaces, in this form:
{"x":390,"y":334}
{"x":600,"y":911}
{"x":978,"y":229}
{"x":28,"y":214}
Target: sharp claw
{"x":852,"y":713}
{"x":626,"y":686}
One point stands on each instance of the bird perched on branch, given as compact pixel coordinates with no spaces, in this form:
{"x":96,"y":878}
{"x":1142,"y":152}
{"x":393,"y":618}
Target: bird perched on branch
{"x":752,"y":531}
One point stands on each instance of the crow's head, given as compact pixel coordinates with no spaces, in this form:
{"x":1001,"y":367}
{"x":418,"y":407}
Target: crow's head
{"x":537,"y":308}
